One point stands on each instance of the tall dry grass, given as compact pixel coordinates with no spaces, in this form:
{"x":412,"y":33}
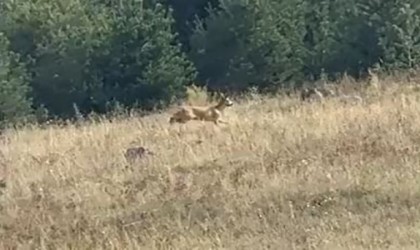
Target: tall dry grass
{"x":282,"y":175}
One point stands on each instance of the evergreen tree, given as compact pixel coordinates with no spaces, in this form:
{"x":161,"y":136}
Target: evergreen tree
{"x":55,"y":39}
{"x":400,"y":36}
{"x":141,"y":62}
{"x":342,"y":36}
{"x":250,"y":43}
{"x":186,"y":13}
{"x":15,"y":103}
{"x":90,"y":53}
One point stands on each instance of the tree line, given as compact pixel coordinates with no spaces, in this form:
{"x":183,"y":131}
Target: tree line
{"x":96,"y":55}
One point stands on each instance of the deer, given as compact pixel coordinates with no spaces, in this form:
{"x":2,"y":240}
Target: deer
{"x":373,"y":79}
{"x":202,"y":113}
{"x":321,"y":94}
{"x":310,"y":94}
{"x":133,"y":153}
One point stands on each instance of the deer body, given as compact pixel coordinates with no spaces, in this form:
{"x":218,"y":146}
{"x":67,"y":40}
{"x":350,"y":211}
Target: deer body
{"x":373,"y":80}
{"x":310,"y":94}
{"x":212,"y":113}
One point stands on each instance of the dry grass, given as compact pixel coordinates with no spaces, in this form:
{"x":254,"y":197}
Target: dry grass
{"x":282,"y":175}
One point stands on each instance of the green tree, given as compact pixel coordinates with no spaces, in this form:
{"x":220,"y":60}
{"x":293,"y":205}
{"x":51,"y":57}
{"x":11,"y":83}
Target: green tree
{"x":15,"y":103}
{"x":56,"y":39}
{"x":342,"y":36}
{"x":400,"y":35}
{"x":141,"y":63}
{"x":185,"y":13}
{"x":91,"y":53}
{"x":250,"y":43}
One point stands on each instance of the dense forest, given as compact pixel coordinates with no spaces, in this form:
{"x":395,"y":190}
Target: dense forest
{"x":56,"y":55}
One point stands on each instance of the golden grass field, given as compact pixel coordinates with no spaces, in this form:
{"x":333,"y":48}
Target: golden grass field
{"x":282,"y":174}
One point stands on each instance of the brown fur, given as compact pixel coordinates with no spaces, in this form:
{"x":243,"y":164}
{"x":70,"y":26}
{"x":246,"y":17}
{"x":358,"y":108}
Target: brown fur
{"x":212,"y":113}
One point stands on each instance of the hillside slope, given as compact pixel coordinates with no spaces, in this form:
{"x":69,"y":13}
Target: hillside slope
{"x":282,"y":173}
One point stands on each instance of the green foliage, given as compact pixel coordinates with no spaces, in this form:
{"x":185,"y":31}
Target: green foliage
{"x":14,"y":91}
{"x":325,"y":39}
{"x":56,"y":39}
{"x":358,"y":36}
{"x":400,"y":37}
{"x":186,"y":12}
{"x":248,"y":43}
{"x":141,"y":63}
{"x":91,"y":54}
{"x":64,"y":56}
{"x":363,"y":33}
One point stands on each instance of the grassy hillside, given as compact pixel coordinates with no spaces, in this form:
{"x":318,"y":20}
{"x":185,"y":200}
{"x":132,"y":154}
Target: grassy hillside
{"x":283,"y":173}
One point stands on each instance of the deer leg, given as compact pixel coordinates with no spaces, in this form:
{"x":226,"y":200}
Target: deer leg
{"x":222,"y":121}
